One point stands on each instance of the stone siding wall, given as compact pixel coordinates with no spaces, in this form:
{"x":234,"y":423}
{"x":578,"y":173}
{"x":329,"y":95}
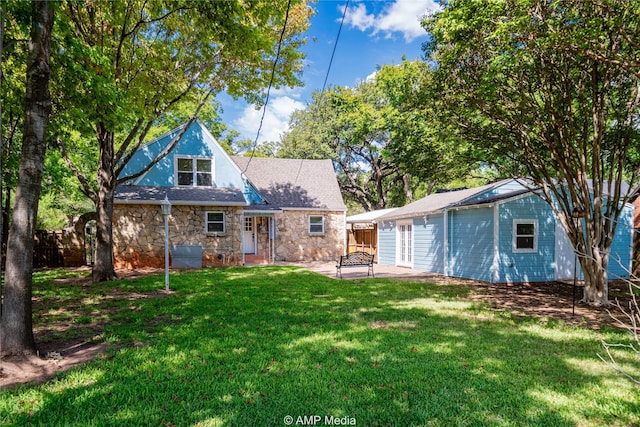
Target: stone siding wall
{"x":295,"y":243}
{"x":263,"y":240}
{"x":138,"y":234}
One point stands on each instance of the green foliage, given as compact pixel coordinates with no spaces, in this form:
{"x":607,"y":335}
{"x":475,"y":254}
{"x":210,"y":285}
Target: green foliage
{"x":310,"y":131}
{"x":249,"y":346}
{"x":546,"y":91}
{"x":381,"y":135}
{"x":126,"y":72}
{"x":520,"y":81}
{"x":61,"y":198}
{"x":121,"y":68}
{"x":115,"y":63}
{"x":14,"y":56}
{"x":419,"y":144}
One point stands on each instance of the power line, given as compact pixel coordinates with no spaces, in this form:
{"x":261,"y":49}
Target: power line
{"x":326,"y":77}
{"x":273,"y":73}
{"x":335,"y":45}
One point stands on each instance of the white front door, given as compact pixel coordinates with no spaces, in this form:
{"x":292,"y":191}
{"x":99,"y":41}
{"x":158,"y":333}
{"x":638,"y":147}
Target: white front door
{"x":565,"y":260}
{"x":249,"y":236}
{"x":405,"y":244}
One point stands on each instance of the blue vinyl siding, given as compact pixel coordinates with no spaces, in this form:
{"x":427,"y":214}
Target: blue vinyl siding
{"x":472,"y":252}
{"x":620,"y":255}
{"x":507,"y":187}
{"x":471,"y":243}
{"x":428,"y":243}
{"x":196,"y":142}
{"x":535,"y":266}
{"x":387,"y":243}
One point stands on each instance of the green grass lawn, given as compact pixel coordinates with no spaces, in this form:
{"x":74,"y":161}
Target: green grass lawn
{"x":251,"y":346}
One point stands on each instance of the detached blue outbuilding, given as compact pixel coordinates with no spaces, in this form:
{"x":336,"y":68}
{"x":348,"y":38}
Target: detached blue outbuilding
{"x":496,"y":233}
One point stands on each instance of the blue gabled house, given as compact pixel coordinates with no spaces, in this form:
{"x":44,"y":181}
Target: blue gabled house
{"x":225,"y":209}
{"x":496,"y":233}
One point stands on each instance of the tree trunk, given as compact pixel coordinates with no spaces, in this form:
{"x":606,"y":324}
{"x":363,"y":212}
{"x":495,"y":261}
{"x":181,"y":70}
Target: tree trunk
{"x":1,"y":151}
{"x":596,"y":289}
{"x":5,"y":215}
{"x":16,"y":330}
{"x":103,"y":270}
{"x":408,"y":193}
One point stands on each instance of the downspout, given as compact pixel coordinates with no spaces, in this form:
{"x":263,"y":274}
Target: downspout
{"x":495,"y":265}
{"x":630,"y":265}
{"x":242,"y":236}
{"x":445,"y":247}
{"x":269,"y":240}
{"x":272,"y":231}
{"x":345,"y":242}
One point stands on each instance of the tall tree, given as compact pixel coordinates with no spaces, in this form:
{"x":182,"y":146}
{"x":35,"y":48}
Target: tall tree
{"x":541,"y":83}
{"x":16,"y":332}
{"x":346,"y":125}
{"x":17,"y":21}
{"x":126,"y":65}
{"x":417,"y":144}
{"x":1,"y":141}
{"x":379,"y":135}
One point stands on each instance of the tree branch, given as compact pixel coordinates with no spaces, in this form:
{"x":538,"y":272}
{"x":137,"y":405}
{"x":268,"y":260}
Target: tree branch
{"x":164,"y":152}
{"x":85,"y":187}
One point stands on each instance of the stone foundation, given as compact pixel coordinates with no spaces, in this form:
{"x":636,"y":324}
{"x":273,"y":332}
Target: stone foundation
{"x":138,"y":235}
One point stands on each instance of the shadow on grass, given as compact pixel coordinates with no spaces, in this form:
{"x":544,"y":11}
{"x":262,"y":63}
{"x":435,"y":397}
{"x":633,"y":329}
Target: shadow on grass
{"x":244,"y":346}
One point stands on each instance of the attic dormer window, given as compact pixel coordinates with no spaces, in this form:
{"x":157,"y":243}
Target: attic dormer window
{"x":194,"y":171}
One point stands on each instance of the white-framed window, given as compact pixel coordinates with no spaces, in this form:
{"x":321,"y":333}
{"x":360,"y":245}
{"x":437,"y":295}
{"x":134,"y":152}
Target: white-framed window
{"x":525,"y":235}
{"x":316,"y":224}
{"x":194,"y":171}
{"x":214,"y":222}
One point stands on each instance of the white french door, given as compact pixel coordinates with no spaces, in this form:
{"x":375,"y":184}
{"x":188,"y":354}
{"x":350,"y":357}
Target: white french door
{"x":405,"y":244}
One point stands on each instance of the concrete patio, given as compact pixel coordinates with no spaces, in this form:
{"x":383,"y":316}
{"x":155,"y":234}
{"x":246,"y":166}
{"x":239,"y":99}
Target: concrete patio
{"x":380,"y":271}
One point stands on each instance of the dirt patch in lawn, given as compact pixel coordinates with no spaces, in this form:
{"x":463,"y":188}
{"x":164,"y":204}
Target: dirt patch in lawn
{"x":558,"y":301}
{"x":56,"y":355}
{"x":548,"y":300}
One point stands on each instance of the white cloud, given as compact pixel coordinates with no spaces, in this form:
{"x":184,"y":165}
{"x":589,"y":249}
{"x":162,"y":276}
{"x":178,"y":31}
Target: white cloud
{"x":358,"y":17}
{"x":276,"y":119}
{"x":401,"y":16}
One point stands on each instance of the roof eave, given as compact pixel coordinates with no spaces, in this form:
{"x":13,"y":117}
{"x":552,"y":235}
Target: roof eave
{"x":293,"y":208}
{"x":178,"y":203}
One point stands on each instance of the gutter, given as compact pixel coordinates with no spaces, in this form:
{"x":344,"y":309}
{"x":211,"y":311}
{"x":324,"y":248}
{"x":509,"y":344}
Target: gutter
{"x":178,"y":203}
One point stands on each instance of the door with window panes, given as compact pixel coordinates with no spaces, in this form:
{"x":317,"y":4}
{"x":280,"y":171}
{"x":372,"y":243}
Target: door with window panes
{"x":249,"y":236}
{"x":405,"y":244}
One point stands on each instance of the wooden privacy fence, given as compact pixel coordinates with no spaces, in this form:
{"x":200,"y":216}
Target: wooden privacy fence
{"x":48,"y":249}
{"x":363,"y":239}
{"x":72,"y":247}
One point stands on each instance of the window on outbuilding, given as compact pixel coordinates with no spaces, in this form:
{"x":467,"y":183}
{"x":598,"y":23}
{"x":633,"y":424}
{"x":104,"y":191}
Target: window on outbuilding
{"x":525,"y":235}
{"x":194,"y":172}
{"x":316,"y":224}
{"x":215,"y":222}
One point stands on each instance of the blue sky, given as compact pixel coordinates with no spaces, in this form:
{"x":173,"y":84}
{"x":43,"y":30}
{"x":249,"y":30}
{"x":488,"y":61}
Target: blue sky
{"x":374,"y":33}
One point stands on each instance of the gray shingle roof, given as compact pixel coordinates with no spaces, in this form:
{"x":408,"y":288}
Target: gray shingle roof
{"x":369,"y":217}
{"x":452,"y":199}
{"x":294,"y":183}
{"x":197,"y":196}
{"x":435,"y":202}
